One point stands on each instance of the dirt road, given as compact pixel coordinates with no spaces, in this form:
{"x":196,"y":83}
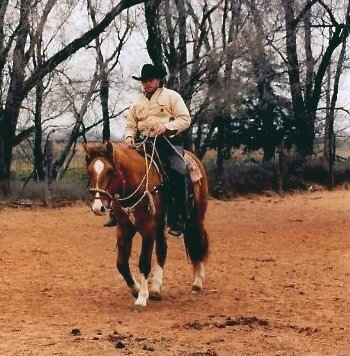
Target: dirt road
{"x":277,"y":283}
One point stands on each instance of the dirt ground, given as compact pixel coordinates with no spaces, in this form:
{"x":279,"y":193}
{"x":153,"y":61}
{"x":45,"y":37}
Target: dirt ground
{"x":277,"y":283}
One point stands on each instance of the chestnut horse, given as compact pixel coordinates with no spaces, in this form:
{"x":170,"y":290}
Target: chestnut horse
{"x":126,"y":181}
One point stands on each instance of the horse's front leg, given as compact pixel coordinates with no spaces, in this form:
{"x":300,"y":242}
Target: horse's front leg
{"x":124,"y":244}
{"x":161,"y":252}
{"x":145,"y":269}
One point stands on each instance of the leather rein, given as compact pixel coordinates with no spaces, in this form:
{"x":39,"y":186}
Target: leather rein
{"x":120,"y":199}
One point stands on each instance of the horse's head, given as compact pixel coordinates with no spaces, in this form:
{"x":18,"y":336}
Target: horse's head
{"x":104,"y":175}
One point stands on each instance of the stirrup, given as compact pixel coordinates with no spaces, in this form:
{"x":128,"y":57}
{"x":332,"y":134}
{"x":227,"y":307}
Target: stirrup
{"x":175,"y":230}
{"x":111,"y":222}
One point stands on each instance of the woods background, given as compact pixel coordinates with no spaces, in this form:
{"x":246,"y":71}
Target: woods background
{"x":261,"y":79}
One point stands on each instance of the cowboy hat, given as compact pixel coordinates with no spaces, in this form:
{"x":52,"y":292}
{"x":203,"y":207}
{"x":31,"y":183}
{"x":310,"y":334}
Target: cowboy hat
{"x":149,"y":71}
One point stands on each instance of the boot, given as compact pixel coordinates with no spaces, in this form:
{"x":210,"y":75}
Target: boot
{"x":177,"y":210}
{"x":175,"y":229}
{"x":111,"y":222}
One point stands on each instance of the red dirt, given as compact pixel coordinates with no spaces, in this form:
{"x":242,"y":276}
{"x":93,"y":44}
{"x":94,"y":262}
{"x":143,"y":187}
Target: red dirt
{"x":277,"y":283}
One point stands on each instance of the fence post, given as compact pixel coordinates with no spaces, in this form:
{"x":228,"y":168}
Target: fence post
{"x":48,"y":160}
{"x":280,"y":167}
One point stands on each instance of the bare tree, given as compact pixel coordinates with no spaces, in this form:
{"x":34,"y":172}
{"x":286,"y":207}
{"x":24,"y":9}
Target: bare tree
{"x":99,"y":87}
{"x":331,"y":111}
{"x":107,"y":65}
{"x":305,"y":105}
{"x":19,"y":85}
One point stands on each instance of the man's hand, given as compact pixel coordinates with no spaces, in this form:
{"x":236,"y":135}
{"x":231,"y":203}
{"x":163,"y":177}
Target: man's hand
{"x":158,"y":130}
{"x":129,"y":142}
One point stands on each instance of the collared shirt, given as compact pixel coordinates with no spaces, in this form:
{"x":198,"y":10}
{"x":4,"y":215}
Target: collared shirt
{"x":165,"y":107}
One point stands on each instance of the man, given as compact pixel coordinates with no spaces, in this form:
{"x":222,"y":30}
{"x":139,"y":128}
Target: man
{"x":161,"y":112}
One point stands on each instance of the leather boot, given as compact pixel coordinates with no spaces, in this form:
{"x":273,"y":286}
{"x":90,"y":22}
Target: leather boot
{"x":177,"y":211}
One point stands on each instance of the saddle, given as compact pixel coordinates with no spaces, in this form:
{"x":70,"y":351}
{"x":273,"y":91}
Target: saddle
{"x":193,"y":172}
{"x":192,"y":168}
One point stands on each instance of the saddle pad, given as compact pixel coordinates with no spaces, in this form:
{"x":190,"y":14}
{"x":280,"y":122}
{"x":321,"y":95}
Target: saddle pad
{"x":193,"y":169}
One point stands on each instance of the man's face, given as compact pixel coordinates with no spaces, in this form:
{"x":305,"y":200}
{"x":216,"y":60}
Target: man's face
{"x":150,"y":85}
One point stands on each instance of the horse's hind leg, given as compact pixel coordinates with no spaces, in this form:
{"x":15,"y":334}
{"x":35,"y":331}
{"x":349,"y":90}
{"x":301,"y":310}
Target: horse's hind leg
{"x":161,"y":252}
{"x":196,"y":242}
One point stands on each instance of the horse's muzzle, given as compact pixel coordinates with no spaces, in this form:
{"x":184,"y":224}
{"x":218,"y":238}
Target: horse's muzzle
{"x":98,"y":209}
{"x":97,"y":206}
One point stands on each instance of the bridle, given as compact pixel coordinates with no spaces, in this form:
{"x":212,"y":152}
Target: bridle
{"x":94,"y":191}
{"x":120,"y":198}
{"x":105,"y":193}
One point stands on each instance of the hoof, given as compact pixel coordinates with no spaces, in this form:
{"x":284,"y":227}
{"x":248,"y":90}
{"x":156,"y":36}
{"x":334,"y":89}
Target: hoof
{"x":137,"y":308}
{"x":196,"y":289}
{"x":156,"y":296}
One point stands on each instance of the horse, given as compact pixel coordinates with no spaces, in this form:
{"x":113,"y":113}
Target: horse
{"x":129,"y":183}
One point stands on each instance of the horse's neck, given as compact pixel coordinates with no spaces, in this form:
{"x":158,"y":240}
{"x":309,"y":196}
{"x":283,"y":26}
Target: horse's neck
{"x":131,"y":164}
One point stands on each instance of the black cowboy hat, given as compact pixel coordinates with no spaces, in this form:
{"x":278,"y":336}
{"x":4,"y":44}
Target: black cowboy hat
{"x":149,"y":71}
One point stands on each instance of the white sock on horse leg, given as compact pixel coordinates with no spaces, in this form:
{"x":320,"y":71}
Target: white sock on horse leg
{"x":199,"y":275}
{"x":143,"y":292}
{"x":157,"y":279}
{"x":136,"y":287}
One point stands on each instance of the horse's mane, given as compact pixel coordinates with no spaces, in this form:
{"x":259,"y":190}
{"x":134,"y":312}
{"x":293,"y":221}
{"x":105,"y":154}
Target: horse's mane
{"x":120,"y":154}
{"x":98,"y":151}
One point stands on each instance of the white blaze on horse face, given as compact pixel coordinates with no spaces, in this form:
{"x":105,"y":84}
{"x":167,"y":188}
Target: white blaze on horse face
{"x":98,"y":167}
{"x":143,"y":292}
{"x":97,"y":207}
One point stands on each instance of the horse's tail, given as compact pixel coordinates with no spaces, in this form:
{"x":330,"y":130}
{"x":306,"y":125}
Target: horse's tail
{"x":196,"y":241}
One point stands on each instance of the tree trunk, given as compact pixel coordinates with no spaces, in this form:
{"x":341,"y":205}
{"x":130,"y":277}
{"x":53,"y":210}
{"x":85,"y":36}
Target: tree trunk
{"x":5,"y":154}
{"x":198,"y":139}
{"x":220,"y":146}
{"x":104,"y":82}
{"x":104,"y":95}
{"x":39,"y":173}
{"x":304,"y":145}
{"x":310,"y":115}
{"x":9,"y":117}
{"x":327,"y":124}
{"x":3,"y":51}
{"x":264,"y":75}
{"x":181,"y":56}
{"x":154,"y":44}
{"x":331,"y":135}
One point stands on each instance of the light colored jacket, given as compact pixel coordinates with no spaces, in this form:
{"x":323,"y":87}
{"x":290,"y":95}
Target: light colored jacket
{"x":165,"y":107}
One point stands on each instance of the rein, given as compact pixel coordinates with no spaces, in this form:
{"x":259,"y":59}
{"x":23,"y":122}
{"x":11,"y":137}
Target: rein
{"x":101,"y":191}
{"x":147,"y":193}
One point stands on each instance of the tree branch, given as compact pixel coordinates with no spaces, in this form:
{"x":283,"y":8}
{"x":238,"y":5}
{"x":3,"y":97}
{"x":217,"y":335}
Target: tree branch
{"x":306,"y":8}
{"x":76,"y":44}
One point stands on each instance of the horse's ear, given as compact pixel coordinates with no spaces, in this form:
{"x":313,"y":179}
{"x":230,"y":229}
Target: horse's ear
{"x":86,"y":149}
{"x":110,"y":150}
